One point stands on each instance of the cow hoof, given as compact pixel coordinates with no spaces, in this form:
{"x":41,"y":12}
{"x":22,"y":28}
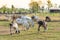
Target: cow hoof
{"x":19,"y":31}
{"x":10,"y":33}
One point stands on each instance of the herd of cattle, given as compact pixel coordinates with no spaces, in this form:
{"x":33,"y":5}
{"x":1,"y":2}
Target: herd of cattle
{"x":28,"y":22}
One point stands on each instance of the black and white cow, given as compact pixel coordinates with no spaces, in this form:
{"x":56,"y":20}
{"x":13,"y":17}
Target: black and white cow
{"x":14,"y":25}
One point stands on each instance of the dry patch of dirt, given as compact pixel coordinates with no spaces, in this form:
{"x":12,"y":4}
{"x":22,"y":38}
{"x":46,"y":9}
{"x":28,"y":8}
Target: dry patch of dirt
{"x":57,"y":28}
{"x":6,"y":30}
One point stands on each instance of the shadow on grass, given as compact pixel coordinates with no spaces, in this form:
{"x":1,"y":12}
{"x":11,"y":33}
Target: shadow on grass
{"x":55,"y":21}
{"x":28,"y":34}
{"x":17,"y":35}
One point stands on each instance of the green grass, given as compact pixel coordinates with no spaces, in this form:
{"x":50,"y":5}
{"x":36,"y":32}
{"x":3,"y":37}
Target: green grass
{"x":4,"y":23}
{"x":53,"y":32}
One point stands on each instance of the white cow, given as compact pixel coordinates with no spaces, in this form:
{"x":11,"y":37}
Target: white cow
{"x":25,"y":21}
{"x":36,"y":18}
{"x":14,"y":25}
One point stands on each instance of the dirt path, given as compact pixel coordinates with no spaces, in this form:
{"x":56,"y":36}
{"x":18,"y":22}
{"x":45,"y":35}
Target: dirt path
{"x":4,"y":30}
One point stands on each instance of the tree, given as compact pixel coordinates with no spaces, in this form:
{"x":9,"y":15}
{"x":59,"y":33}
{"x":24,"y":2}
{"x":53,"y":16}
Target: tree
{"x":3,"y":8}
{"x":8,"y":10}
{"x":34,"y":6}
{"x":40,"y":5}
{"x":49,"y":4}
{"x":13,"y":9}
{"x":39,"y":2}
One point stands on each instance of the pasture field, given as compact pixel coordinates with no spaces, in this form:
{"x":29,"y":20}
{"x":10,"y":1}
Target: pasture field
{"x":53,"y":32}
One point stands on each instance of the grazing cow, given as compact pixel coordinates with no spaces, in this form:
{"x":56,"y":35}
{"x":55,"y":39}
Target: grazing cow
{"x":35,"y":18}
{"x":25,"y":21}
{"x":47,"y":19}
{"x":40,"y":23}
{"x":14,"y":25}
{"x":43,"y":24}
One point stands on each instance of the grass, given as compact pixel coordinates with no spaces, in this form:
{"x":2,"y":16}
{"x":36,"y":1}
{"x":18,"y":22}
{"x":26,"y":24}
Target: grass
{"x":53,"y":32}
{"x":4,"y":23}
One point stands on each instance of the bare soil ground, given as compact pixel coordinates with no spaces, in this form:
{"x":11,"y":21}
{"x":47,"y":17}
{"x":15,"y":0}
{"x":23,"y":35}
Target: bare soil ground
{"x":6,"y":30}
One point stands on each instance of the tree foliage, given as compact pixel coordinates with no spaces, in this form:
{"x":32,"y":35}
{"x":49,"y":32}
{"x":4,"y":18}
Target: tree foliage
{"x":49,"y":4}
{"x":3,"y":9}
{"x":34,"y":6}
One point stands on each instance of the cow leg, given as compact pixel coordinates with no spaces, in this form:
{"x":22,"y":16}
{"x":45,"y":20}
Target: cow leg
{"x":45,"y":27}
{"x":27,"y":26}
{"x":39,"y":27}
{"x":11,"y":29}
{"x":17,"y":30}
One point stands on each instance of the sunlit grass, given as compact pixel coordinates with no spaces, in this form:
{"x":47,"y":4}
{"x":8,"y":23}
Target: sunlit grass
{"x":53,"y":32}
{"x":4,"y":23}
